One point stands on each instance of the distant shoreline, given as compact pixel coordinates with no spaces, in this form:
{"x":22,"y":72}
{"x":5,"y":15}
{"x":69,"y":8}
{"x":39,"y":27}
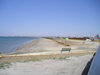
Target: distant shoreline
{"x":10,"y":44}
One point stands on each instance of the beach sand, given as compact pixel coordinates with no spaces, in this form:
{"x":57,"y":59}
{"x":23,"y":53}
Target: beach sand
{"x":49,"y":45}
{"x":40,"y":45}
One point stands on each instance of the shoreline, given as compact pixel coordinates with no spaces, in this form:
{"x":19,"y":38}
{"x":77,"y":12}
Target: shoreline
{"x":26,"y":43}
{"x":11,"y":44}
{"x":39,"y":45}
{"x":49,"y":45}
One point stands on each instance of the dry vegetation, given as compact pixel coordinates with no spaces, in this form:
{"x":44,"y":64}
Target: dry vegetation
{"x":39,"y":57}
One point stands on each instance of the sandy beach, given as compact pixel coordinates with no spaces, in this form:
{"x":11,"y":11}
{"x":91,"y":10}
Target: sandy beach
{"x":49,"y":37}
{"x":40,"y":45}
{"x":43,"y":47}
{"x":48,"y":52}
{"x":49,"y":45}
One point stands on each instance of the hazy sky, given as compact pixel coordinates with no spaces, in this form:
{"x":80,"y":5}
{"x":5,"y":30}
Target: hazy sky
{"x":49,"y":17}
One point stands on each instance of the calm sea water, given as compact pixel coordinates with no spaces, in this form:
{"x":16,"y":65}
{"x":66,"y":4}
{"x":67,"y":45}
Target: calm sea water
{"x":10,"y":44}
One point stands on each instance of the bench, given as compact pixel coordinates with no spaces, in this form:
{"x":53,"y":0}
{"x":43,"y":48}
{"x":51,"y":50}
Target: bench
{"x":65,"y":49}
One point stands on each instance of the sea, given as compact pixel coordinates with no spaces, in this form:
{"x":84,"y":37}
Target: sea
{"x":10,"y":44}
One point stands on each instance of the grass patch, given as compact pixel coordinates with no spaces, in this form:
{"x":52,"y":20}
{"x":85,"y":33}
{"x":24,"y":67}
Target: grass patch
{"x":5,"y":65}
{"x":62,"y":58}
{"x":54,"y":58}
{"x":35,"y":60}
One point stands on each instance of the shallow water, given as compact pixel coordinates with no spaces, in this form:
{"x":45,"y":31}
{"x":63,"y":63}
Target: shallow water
{"x":10,"y":44}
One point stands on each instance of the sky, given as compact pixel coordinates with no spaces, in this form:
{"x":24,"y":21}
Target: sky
{"x":49,"y":17}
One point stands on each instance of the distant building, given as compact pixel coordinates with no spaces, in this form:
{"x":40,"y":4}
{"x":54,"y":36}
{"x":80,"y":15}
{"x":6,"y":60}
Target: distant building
{"x":96,"y":37}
